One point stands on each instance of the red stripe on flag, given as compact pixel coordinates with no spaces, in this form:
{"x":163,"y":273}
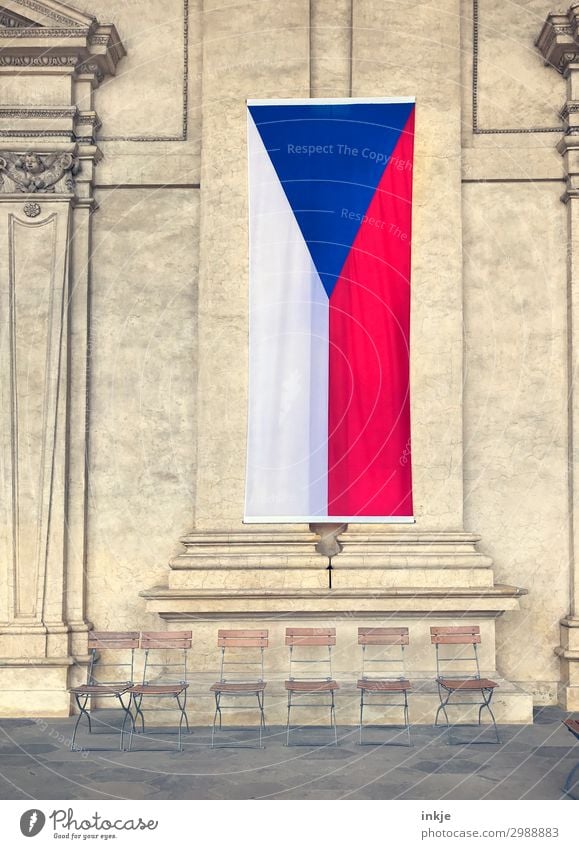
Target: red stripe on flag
{"x":369,"y":404}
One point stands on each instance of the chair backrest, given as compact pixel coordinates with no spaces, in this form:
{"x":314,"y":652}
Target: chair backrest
{"x":171,"y":644}
{"x":166,"y":640}
{"x":456,"y":635}
{"x":242,"y":653}
{"x":383,"y":637}
{"x":319,"y":641}
{"x":383,"y":652}
{"x":117,"y":641}
{"x":310,"y":636}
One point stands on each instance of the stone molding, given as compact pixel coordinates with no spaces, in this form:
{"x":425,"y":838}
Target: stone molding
{"x":48,"y":157}
{"x":558,"y":43}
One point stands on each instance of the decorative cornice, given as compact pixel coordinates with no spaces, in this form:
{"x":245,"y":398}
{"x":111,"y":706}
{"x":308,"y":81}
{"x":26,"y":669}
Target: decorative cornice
{"x":34,"y":112}
{"x":8,"y":61}
{"x":558,"y":41}
{"x":44,"y":32}
{"x":34,"y":134}
{"x":14,"y":21}
{"x":56,"y":12}
{"x":60,"y":37}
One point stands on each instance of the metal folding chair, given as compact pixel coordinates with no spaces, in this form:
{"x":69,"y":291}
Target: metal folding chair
{"x":480,"y":689}
{"x":117,"y":686}
{"x":170,"y":676}
{"x":382,"y":658}
{"x":321,"y":640}
{"x":572,"y":725}
{"x":240,"y":676}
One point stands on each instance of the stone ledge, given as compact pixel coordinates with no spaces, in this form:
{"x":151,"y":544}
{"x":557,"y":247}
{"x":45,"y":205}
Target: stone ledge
{"x":181,"y":603}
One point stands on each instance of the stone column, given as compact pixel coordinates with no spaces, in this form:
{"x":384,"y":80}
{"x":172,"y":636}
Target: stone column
{"x":558,"y":43}
{"x":51,"y":59}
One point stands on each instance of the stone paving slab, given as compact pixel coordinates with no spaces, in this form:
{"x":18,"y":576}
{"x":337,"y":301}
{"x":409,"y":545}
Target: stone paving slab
{"x":36,"y":762}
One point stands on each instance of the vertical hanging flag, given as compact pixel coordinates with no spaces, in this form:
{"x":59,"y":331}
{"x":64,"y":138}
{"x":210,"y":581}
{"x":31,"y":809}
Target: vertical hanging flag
{"x":330,"y":202}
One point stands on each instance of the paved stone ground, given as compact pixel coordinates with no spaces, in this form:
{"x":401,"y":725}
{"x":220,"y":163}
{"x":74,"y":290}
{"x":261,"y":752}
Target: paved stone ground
{"x":36,"y":763}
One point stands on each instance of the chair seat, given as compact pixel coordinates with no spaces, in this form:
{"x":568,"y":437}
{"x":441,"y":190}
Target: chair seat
{"x":311,"y":686}
{"x":158,"y":689}
{"x":100,"y":689}
{"x":467,"y":683}
{"x":238,"y":687}
{"x":384,"y":686}
{"x":573,"y":726}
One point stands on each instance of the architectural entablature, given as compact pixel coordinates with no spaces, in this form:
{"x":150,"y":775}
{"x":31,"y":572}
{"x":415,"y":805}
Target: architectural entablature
{"x":49,"y":34}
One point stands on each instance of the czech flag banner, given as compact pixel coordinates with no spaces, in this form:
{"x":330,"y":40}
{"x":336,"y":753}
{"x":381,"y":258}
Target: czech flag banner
{"x":330,"y":202}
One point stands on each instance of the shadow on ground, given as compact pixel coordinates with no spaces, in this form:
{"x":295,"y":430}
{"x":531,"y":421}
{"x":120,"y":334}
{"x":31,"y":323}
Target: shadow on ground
{"x":531,"y":762}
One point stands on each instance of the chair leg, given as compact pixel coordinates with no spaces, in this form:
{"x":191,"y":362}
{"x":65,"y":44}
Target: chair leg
{"x":217,"y":711}
{"x":289,"y":707}
{"x":407,"y":717}
{"x":138,"y":701}
{"x":183,"y":716}
{"x":184,"y":710}
{"x":333,"y":718}
{"x":260,"y":702}
{"x":82,"y":712}
{"x":127,"y":715}
{"x":361,"y":713}
{"x":487,"y":704}
{"x":444,"y":700}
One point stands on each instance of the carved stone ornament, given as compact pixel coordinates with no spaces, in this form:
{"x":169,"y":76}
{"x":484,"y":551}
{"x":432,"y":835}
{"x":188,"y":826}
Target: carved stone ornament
{"x":34,"y":172}
{"x":13,"y":21}
{"x":31,"y":210}
{"x":558,"y":41}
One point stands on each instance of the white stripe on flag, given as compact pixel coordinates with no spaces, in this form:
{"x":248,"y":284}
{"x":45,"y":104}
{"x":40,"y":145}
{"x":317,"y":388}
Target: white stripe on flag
{"x":287,"y":445}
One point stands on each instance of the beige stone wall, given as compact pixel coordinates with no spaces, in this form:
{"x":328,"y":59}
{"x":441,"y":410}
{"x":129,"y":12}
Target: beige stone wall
{"x":498,"y":244}
{"x":142,"y":399}
{"x":143,"y":342}
{"x":516,"y":336}
{"x":515,"y":410}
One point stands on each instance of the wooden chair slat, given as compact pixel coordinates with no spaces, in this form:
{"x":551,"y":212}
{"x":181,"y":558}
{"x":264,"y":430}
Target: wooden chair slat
{"x":382,"y":631}
{"x":242,"y":642}
{"x":298,"y":640}
{"x":112,"y":634}
{"x":385,"y":685}
{"x":166,"y":640}
{"x":384,"y":640}
{"x":455,"y":639}
{"x":311,"y":686}
{"x":244,"y":632}
{"x":467,"y":683}
{"x":310,"y":632}
{"x":456,"y":629}
{"x":113,"y":639}
{"x":161,"y":635}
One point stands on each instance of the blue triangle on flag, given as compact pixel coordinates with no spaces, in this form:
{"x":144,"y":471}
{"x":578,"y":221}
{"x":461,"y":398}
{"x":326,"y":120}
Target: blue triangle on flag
{"x":330,"y":158}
